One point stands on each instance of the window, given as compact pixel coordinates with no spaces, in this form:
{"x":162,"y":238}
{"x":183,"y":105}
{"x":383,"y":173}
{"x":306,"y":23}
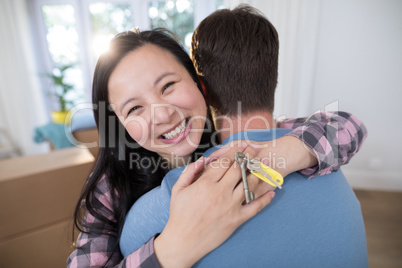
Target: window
{"x":62,"y":43}
{"x":76,"y":32}
{"x":107,"y":20}
{"x":177,"y":16}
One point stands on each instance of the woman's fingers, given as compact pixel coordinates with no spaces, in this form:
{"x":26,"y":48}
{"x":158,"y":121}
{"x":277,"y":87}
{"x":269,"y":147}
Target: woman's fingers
{"x":228,"y":172}
{"x":250,"y":210}
{"x":255,"y":185}
{"x":238,"y":193}
{"x":199,"y":165}
{"x":232,"y":176}
{"x":188,"y":176}
{"x":235,"y":146}
{"x":258,"y":186}
{"x":214,"y":171}
{"x":219,"y":167}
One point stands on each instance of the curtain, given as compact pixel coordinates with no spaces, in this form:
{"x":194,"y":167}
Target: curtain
{"x":297,"y":23}
{"x":21,"y":98}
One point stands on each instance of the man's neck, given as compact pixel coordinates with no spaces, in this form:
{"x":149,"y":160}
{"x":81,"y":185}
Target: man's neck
{"x":229,"y":125}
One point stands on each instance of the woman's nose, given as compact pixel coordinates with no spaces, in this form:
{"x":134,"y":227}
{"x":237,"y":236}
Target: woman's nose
{"x":162,"y":113}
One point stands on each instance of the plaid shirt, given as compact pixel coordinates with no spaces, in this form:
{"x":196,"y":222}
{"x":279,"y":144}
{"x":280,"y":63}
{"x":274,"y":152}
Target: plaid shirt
{"x":335,"y":138}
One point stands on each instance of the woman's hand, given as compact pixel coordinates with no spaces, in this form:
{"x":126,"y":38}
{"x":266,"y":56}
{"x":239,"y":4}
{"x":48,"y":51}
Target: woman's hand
{"x":286,"y":155}
{"x":205,"y":210}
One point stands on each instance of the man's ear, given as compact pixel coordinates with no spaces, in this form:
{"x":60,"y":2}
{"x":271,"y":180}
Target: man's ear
{"x":204,"y":90}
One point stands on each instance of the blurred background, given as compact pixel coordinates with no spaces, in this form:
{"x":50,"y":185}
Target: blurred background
{"x":334,"y":55}
{"x":343,"y":55}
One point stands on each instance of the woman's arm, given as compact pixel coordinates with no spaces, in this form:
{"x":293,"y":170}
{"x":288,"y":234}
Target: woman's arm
{"x":333,"y":138}
{"x":94,"y":250}
{"x":318,"y":145}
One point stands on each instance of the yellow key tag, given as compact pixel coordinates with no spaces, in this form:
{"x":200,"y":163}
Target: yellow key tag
{"x":265,"y":173}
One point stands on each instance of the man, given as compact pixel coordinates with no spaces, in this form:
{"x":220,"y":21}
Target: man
{"x":314,"y":223}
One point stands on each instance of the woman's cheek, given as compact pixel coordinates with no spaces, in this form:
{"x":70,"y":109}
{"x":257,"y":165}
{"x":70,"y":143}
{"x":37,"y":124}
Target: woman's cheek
{"x":138,"y":129}
{"x":194,"y":100}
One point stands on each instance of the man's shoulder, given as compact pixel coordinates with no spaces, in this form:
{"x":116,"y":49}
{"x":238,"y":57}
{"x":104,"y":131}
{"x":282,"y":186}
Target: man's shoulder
{"x":331,"y":187}
{"x":172,"y":176}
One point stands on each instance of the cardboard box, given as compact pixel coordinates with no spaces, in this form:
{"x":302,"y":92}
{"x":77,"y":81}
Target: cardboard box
{"x":89,"y":139}
{"x":37,"y":198}
{"x":47,"y":247}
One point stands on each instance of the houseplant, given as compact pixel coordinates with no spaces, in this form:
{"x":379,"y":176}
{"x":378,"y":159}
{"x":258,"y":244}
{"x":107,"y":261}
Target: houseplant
{"x":61,"y":92}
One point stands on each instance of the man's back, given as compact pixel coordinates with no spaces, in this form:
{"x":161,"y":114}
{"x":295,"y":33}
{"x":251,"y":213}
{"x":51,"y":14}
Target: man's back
{"x":309,"y":223}
{"x":313,"y":223}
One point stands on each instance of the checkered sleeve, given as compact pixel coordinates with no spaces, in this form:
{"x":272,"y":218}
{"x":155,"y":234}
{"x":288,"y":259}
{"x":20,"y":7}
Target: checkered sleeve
{"x":94,"y":249}
{"x":335,"y":137}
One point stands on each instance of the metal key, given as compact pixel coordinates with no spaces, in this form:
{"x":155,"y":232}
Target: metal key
{"x":242,"y":160}
{"x":265,"y":173}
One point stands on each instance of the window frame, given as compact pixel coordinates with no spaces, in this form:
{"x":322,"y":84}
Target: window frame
{"x":87,"y":60}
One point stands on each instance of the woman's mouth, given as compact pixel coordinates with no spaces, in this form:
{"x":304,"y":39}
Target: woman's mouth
{"x":176,"y":134}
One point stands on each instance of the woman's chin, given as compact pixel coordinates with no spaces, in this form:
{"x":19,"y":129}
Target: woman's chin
{"x":184,"y":151}
{"x":179,"y":155}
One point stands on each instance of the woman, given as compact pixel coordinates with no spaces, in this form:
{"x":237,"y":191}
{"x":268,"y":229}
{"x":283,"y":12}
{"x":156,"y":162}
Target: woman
{"x":178,"y":131}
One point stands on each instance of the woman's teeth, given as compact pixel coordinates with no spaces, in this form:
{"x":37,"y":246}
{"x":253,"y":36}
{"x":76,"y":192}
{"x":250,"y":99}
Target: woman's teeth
{"x":175,"y":132}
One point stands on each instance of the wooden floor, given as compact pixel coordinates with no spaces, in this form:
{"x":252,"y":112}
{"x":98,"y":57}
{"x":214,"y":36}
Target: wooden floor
{"x":382,"y":212}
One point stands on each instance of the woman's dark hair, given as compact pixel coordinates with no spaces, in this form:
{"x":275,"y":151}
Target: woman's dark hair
{"x":126,"y":182}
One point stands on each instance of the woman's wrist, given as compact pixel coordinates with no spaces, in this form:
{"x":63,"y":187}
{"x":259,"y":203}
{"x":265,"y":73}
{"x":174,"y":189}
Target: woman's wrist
{"x":286,"y":154}
{"x":297,"y":154}
{"x":170,"y":251}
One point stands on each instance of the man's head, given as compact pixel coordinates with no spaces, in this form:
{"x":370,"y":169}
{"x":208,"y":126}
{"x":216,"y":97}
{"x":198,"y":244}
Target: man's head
{"x":236,"y":53}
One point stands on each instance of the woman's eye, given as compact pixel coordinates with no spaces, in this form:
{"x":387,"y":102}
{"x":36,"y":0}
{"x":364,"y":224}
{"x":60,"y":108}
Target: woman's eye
{"x":165,"y":87}
{"x":133,"y":109}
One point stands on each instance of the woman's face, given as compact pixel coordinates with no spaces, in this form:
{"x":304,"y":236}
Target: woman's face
{"x":158,"y":102}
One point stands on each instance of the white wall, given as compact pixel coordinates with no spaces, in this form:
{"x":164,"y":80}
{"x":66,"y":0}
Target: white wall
{"x":359,"y":63}
{"x":21,"y":98}
{"x":348,"y":56}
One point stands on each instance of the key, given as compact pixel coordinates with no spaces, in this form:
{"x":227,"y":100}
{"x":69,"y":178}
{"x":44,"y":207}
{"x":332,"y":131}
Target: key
{"x":265,"y":173}
{"x":242,"y":160}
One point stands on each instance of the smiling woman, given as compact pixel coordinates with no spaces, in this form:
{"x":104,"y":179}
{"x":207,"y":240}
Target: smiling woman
{"x":159,"y":107}
{"x":151,"y":83}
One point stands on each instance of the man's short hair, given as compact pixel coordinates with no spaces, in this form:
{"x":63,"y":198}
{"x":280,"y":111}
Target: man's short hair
{"x":236,"y":52}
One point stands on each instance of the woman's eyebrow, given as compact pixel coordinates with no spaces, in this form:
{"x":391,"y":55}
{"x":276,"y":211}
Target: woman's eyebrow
{"x":162,"y":76}
{"x":125,"y":103}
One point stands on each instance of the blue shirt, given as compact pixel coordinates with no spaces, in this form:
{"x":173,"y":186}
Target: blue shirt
{"x":309,"y":223}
